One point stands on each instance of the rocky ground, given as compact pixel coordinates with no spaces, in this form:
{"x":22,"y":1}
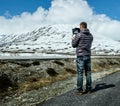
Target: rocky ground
{"x":28,"y":82}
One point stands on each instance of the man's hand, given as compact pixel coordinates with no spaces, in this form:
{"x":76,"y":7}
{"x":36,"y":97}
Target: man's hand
{"x":73,"y":37}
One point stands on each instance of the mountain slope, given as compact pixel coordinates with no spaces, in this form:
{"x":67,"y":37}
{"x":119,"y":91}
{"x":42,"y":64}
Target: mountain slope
{"x":54,"y":39}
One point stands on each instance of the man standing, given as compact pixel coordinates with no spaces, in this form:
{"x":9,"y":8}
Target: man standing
{"x":82,"y":42}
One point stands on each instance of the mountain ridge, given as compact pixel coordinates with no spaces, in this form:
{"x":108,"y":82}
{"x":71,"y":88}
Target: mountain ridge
{"x":54,"y":39}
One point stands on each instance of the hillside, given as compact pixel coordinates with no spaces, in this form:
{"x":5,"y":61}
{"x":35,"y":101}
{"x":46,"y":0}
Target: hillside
{"x":53,"y":39}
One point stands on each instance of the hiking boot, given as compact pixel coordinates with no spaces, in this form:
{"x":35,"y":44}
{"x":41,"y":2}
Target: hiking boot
{"x":88,"y":91}
{"x":79,"y":92}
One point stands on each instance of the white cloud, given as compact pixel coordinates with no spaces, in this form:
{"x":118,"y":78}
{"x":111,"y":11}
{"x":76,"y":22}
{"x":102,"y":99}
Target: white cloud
{"x":62,"y":12}
{"x":7,"y":14}
{"x":68,"y":11}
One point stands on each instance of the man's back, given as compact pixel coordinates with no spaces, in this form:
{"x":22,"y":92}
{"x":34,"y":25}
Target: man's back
{"x":83,"y":42}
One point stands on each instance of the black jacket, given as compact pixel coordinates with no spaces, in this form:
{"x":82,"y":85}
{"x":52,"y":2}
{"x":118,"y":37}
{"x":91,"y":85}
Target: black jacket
{"x":82,"y":42}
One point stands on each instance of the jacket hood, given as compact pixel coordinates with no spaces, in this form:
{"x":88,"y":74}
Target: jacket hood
{"x":85,"y":31}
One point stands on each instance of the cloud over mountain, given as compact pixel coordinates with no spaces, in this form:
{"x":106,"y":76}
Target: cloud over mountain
{"x":62,"y":12}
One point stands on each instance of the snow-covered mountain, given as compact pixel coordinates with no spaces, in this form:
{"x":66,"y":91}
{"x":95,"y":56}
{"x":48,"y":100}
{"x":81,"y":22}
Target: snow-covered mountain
{"x":54,"y":39}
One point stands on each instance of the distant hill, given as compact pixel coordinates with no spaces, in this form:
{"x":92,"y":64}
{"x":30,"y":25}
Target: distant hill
{"x":54,"y":39}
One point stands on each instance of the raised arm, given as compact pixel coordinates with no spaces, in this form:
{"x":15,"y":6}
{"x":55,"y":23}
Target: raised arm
{"x":75,"y":40}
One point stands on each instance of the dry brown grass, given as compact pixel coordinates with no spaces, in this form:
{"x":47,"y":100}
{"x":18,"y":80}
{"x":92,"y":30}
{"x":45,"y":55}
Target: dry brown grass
{"x":37,"y":83}
{"x":99,"y":65}
{"x":42,"y":82}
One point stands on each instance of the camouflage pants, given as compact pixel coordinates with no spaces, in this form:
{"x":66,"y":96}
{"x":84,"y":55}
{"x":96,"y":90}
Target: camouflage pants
{"x":83,"y":63}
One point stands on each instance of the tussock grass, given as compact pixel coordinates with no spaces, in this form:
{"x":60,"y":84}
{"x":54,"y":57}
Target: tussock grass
{"x":99,"y":65}
{"x":42,"y":82}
